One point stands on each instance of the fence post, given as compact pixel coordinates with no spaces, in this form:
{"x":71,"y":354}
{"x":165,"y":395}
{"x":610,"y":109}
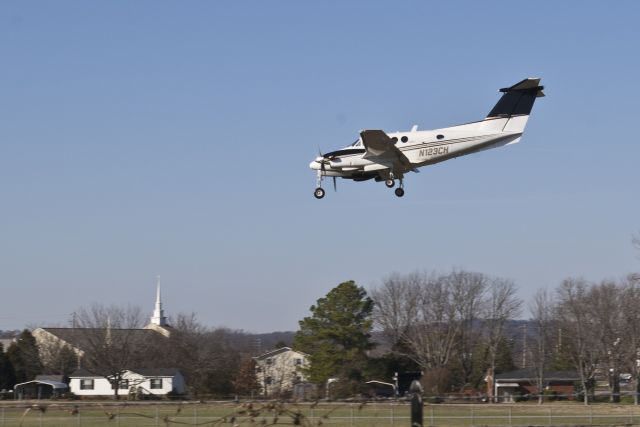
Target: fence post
{"x":432,"y":424}
{"x":472,"y":416}
{"x":351,"y":420}
{"x":549,"y":416}
{"x":590,"y":415}
{"x":510,"y":416}
{"x":157,"y":418}
{"x":417,"y":418}
{"x":392,"y":416}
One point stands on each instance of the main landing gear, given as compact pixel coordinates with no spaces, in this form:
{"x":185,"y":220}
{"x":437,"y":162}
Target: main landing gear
{"x":391,"y":182}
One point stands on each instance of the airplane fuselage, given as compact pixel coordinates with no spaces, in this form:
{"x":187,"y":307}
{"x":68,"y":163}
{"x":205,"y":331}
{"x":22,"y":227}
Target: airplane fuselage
{"x":421,"y":148}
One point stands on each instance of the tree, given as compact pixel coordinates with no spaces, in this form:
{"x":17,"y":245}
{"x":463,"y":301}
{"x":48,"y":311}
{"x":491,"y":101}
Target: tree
{"x":608,"y":323}
{"x":438,"y":320}
{"x":7,"y":373}
{"x":337,"y":336}
{"x":541,"y":309}
{"x":112,"y":342}
{"x":502,"y":306}
{"x":575,"y":321}
{"x":24,"y":357}
{"x":245,"y":381}
{"x":208,"y":358}
{"x":630,"y":348}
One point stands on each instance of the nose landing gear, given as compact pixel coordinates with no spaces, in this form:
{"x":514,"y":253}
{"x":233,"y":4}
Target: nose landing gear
{"x":319,"y":191}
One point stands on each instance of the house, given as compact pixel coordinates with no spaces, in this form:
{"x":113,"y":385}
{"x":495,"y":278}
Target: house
{"x":159,"y":381}
{"x":509,"y":385}
{"x":277,"y":371}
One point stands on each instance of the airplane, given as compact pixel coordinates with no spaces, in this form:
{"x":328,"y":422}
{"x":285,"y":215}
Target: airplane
{"x":389,"y":156}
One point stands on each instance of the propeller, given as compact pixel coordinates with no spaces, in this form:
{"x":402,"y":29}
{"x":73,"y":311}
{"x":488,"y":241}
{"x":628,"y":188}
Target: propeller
{"x":323,"y":161}
{"x":335,"y":187}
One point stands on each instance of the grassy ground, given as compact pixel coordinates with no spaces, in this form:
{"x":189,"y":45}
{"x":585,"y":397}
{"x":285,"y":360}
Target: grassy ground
{"x":91,"y":414}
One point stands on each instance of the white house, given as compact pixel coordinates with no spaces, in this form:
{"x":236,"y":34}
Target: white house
{"x":158,"y":381}
{"x":277,"y":371}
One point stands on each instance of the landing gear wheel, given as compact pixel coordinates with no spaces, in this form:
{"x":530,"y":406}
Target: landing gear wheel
{"x":399,"y":192}
{"x":319,"y":193}
{"x":390,"y":183}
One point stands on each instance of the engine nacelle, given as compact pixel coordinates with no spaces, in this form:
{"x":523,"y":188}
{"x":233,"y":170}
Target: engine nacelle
{"x":355,"y":162}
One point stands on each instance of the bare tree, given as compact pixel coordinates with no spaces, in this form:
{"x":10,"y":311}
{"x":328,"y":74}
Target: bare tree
{"x":541,"y":310}
{"x":630,"y":311}
{"x":604,"y":303}
{"x":502,"y":305}
{"x":208,"y":358}
{"x":468,"y":298}
{"x":112,"y":341}
{"x":574,"y":318}
{"x":436,"y":319}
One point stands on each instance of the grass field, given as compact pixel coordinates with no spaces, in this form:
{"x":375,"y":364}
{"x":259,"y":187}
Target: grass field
{"x":50,"y":414}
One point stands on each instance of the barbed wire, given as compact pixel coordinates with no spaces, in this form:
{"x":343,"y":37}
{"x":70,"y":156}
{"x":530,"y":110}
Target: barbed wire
{"x":255,"y":413}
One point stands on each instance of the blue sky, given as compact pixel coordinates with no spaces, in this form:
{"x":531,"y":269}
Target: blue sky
{"x":172,"y":138}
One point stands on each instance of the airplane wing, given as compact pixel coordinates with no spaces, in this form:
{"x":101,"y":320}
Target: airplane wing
{"x":378,"y":144}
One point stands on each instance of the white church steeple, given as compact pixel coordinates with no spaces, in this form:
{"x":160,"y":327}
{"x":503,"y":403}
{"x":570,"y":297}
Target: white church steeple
{"x":158,"y":313}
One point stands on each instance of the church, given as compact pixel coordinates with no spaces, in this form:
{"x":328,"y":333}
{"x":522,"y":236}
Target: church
{"x":51,"y":340}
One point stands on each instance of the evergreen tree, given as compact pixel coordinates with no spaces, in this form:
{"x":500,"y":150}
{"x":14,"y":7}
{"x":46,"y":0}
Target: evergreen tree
{"x":7,"y":373}
{"x":337,"y":336}
{"x":23,"y":355}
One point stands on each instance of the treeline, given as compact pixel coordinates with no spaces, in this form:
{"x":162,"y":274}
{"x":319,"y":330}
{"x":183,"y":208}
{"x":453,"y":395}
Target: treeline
{"x":457,"y":328}
{"x":454,"y":328}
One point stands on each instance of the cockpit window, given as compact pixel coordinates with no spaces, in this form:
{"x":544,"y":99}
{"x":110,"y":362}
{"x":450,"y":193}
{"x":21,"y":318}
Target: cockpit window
{"x":357,"y":143}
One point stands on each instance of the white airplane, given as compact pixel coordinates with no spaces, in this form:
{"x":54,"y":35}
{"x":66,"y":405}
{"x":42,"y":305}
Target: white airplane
{"x":387,"y":157}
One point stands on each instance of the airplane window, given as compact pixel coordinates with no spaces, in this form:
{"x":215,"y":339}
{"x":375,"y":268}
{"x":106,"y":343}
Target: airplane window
{"x":394,"y":139}
{"x":440,"y":136}
{"x":404,"y":139}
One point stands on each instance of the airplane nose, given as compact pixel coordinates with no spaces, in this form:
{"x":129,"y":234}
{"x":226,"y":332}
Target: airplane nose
{"x":314,"y":165}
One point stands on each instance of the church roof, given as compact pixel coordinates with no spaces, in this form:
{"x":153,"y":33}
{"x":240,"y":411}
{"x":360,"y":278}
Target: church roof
{"x":80,"y":337}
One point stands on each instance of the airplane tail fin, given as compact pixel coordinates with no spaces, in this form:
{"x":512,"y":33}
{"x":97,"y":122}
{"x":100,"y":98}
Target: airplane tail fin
{"x":516,"y":104}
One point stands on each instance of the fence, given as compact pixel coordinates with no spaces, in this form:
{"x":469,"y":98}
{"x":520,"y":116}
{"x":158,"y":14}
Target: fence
{"x":334,"y":415}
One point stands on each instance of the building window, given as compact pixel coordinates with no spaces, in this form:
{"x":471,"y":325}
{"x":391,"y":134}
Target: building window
{"x":156,"y":383}
{"x":86,"y":384}
{"x":122,"y":385}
